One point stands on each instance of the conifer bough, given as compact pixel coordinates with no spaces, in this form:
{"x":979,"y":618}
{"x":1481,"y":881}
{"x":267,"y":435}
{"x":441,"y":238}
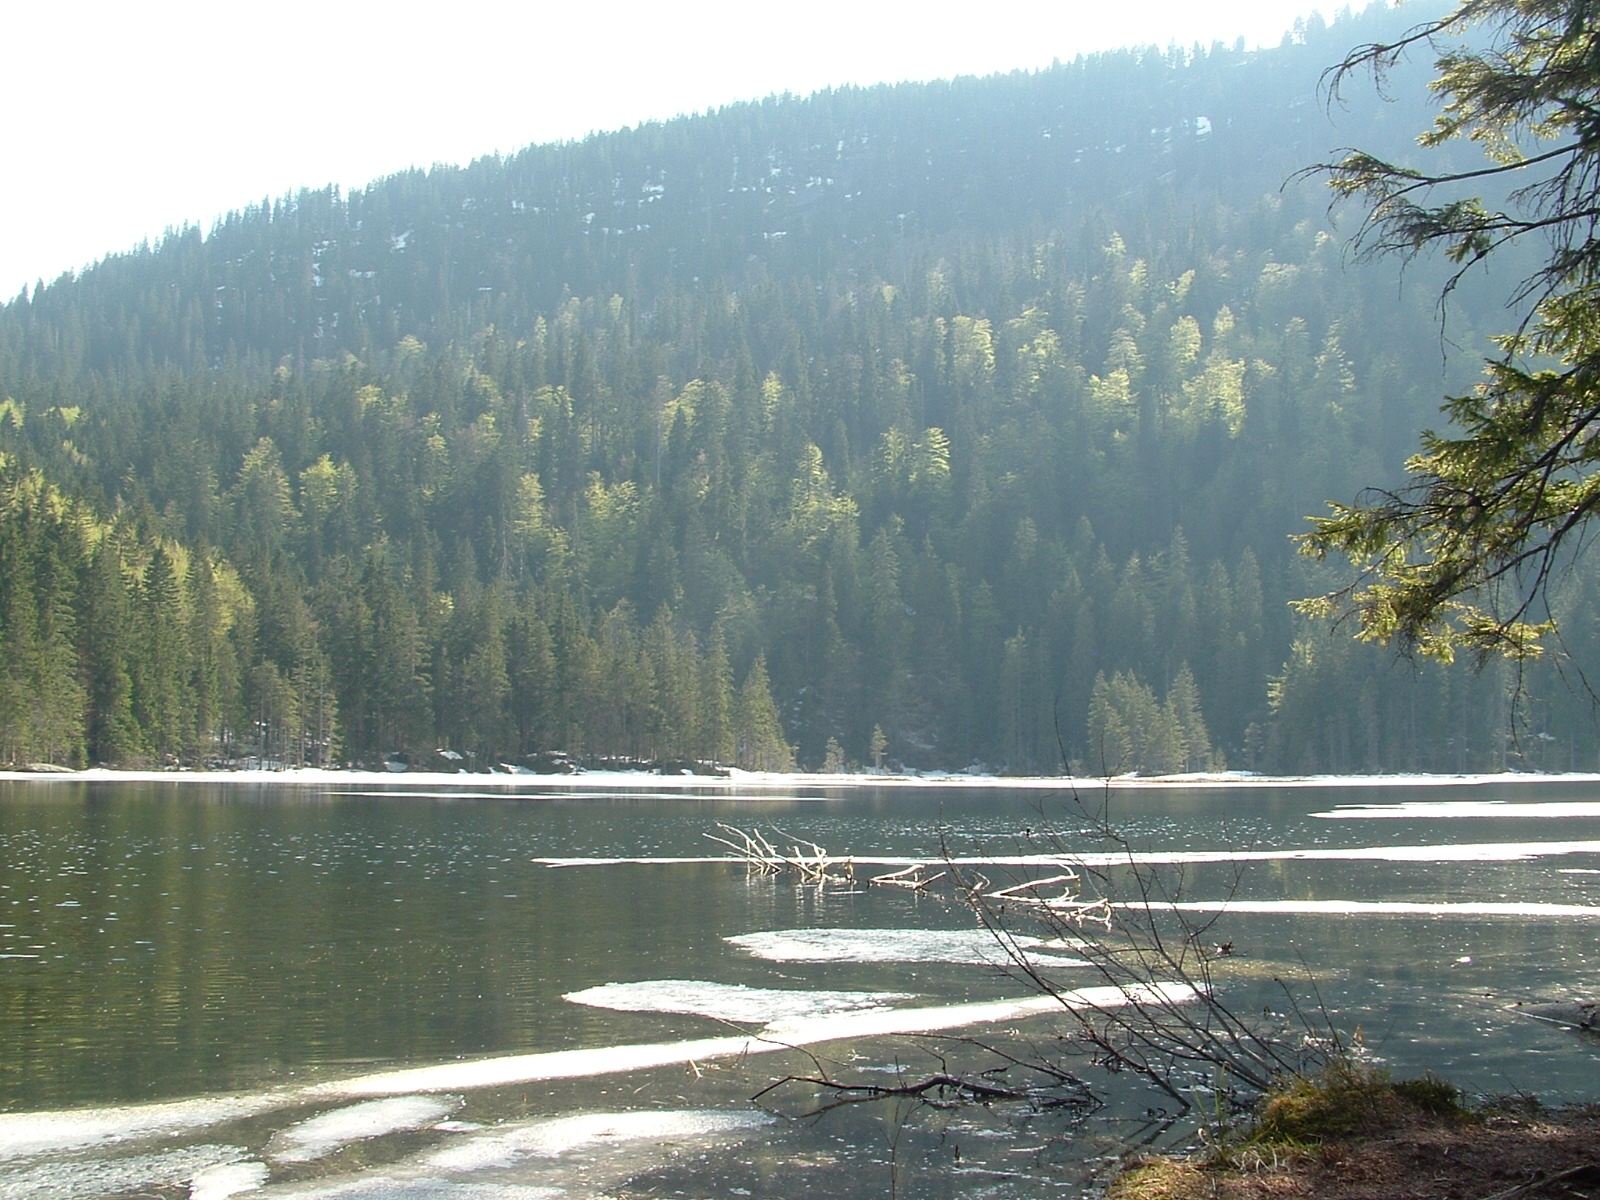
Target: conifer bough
{"x":1461,"y":557}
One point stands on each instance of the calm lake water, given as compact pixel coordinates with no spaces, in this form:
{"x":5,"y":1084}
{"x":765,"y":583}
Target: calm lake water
{"x":209,"y":989}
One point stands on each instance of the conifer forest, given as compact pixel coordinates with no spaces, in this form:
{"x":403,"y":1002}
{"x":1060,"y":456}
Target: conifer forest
{"x":936,"y":425}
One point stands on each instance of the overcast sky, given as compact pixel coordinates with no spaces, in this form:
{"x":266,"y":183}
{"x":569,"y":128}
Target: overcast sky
{"x":128,"y":117}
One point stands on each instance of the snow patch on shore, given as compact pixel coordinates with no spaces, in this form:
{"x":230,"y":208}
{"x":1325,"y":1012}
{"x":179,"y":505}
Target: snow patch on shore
{"x":636,"y":783}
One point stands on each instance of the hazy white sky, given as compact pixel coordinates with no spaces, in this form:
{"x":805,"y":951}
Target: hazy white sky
{"x":126,"y":117}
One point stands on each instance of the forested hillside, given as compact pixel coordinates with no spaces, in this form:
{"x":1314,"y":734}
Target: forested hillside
{"x":974,"y":413}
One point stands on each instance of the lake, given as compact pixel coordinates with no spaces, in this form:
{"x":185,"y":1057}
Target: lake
{"x":510,"y":987}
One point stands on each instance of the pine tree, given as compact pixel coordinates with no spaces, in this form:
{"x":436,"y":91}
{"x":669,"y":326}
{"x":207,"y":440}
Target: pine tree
{"x":758,"y":734}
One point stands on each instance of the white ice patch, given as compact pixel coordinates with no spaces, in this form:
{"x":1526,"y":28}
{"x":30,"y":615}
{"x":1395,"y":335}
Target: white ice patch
{"x":562,"y":1135}
{"x":576,"y":1156}
{"x":781,"y":1035}
{"x":1466,"y":852}
{"x":97,"y":1176}
{"x":322,"y":1135}
{"x":228,"y":1179}
{"x":1430,"y":809}
{"x":784,"y":784}
{"x":393,"y":1187}
{"x":974,"y":946}
{"x":531,"y":1068}
{"x":1380,"y":908}
{"x":40,"y":1132}
{"x":729,"y":1001}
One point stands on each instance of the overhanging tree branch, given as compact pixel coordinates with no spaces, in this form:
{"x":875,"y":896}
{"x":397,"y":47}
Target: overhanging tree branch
{"x":1459,"y":558}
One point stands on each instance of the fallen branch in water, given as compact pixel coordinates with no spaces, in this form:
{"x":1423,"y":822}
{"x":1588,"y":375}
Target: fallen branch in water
{"x":1068,"y":905}
{"x":934,"y":1089}
{"x":815,"y":866}
{"x":911,"y":877}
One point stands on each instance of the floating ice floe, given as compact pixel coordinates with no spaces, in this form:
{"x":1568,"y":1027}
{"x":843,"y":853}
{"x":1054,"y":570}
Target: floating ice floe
{"x":780,"y":1035}
{"x":1456,"y":809}
{"x":1464,"y":852}
{"x":227,"y":1179}
{"x":44,"y":1133}
{"x":323,"y":1134}
{"x":40,"y":1132}
{"x":95,"y":1176}
{"x":1378,"y":908}
{"x":582,"y":1155}
{"x":562,"y":1135}
{"x":392,"y":1187}
{"x":729,"y":1001}
{"x":974,"y":946}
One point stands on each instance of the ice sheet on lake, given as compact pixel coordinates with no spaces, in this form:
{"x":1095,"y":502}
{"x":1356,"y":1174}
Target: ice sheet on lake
{"x":46,"y":1132}
{"x":323,"y":1134}
{"x":1381,"y":908}
{"x":51,"y":1179}
{"x":37,"y":1133}
{"x":1554,"y":810}
{"x":729,"y":1001}
{"x":587,"y":1154}
{"x":974,"y":946}
{"x":1465,"y":852}
{"x":531,"y":1068}
{"x":781,"y":1035}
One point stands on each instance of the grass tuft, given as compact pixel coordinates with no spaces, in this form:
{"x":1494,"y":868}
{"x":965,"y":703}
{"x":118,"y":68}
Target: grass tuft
{"x":1342,"y":1102}
{"x":1346,"y":1101}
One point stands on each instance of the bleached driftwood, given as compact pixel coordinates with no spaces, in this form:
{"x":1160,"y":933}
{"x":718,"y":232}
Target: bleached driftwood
{"x":1021,"y":890}
{"x":911,"y":878}
{"x":755,"y":850}
{"x":1067,"y":904}
{"x":812,"y":864}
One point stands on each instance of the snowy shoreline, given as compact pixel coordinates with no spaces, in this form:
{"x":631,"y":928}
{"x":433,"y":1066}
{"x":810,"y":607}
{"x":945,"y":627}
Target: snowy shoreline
{"x":743,"y":781}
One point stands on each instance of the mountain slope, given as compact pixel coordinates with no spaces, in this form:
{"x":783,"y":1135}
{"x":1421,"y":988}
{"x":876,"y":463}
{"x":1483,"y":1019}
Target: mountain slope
{"x":979,"y":412}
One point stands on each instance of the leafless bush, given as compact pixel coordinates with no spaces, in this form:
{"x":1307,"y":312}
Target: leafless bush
{"x":1122,"y":916}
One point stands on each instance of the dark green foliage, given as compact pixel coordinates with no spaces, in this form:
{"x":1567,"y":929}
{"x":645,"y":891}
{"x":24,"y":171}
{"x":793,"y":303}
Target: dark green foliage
{"x":41,"y":553}
{"x":741,"y":437}
{"x":1467,"y":554}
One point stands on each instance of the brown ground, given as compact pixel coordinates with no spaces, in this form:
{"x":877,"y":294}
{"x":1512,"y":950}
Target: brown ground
{"x":1538,"y":1156}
